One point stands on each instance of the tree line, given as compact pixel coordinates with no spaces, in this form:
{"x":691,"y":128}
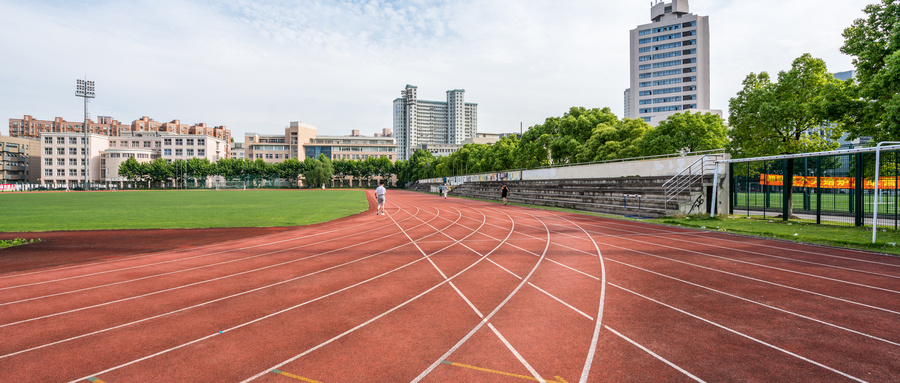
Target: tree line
{"x":314,"y":171}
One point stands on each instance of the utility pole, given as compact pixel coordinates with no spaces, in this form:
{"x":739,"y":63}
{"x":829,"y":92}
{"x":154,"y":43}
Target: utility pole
{"x":85,"y":90}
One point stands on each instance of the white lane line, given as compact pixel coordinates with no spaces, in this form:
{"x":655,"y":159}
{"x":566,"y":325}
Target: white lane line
{"x":199,"y":305}
{"x":693,"y":234}
{"x":561,"y":301}
{"x":504,"y":269}
{"x":341,"y":335}
{"x":653,"y":354}
{"x":573,"y":269}
{"x":475,"y":309}
{"x":489,"y":316}
{"x":188,"y":285}
{"x":516,"y":353}
{"x":182,"y":270}
{"x":848,"y":376}
{"x":163,"y":262}
{"x":759,"y":303}
{"x":755,"y":279}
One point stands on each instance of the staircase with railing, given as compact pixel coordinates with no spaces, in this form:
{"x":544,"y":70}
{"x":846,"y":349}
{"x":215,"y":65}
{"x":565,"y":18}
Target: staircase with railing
{"x":682,"y":183}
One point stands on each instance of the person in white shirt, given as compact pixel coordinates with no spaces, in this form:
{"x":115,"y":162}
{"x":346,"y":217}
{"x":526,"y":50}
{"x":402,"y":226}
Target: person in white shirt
{"x":379,"y":196}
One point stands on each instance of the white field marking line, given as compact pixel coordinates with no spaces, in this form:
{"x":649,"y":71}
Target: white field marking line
{"x":746,"y":277}
{"x":161,"y":253}
{"x":743,"y":335}
{"x":505,"y":269}
{"x":626,"y":237}
{"x":695,"y":233}
{"x":489,"y":316}
{"x":260,"y":319}
{"x":760,"y":304}
{"x":164,"y":262}
{"x":783,"y":258}
{"x":673,"y":365}
{"x":190,"y":269}
{"x":341,"y":335}
{"x":475,"y":309}
{"x":723,"y":237}
{"x":516,"y":353}
{"x":202,"y":304}
{"x":573,"y":269}
{"x":599,"y":325}
{"x":199,"y":305}
{"x":420,"y":249}
{"x":767,"y":266}
{"x":561,"y":301}
{"x":190,"y":284}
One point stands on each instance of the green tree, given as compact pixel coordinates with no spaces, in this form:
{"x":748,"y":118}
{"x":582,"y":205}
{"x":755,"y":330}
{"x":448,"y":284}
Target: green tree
{"x":132,"y":170}
{"x":160,"y":171}
{"x":685,"y":131}
{"x":783,"y":117}
{"x":613,"y":140}
{"x":873,"y":107}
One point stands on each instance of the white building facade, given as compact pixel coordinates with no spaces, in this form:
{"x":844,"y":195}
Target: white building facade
{"x":63,"y":153}
{"x":421,"y":122}
{"x":669,"y":64}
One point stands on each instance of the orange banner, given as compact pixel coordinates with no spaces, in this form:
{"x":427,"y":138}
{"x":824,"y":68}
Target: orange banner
{"x":827,"y":182}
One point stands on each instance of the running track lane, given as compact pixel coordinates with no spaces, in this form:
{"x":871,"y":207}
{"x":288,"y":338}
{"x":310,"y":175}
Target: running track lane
{"x":459,"y":290}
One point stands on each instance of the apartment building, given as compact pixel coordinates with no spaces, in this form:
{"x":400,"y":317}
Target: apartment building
{"x":351,"y":147}
{"x":19,"y":160}
{"x":28,"y":126}
{"x":274,"y":148}
{"x":63,"y":154}
{"x":422,"y":122}
{"x":669,"y":64}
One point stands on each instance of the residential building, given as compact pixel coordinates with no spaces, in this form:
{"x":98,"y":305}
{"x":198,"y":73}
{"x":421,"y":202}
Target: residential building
{"x":275,"y":148}
{"x":351,"y":147}
{"x":422,"y":122}
{"x":63,"y":153}
{"x":19,"y":160}
{"x":669,"y":64}
{"x":108,"y":126}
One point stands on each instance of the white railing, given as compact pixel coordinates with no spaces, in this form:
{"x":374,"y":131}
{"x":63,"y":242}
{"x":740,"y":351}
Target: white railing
{"x":690,"y":176}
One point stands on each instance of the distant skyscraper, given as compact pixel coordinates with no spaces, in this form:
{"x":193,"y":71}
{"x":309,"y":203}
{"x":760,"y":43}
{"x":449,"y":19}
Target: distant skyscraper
{"x":669,"y":63}
{"x":420,"y":122}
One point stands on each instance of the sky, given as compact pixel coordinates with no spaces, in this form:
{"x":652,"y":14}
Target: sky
{"x":255,"y":66}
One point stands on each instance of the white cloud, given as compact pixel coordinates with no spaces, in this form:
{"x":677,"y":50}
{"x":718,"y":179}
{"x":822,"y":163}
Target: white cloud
{"x":257,"y":65}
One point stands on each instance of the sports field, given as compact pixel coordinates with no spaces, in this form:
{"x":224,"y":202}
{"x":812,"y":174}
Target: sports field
{"x":451,"y":290}
{"x":175,"y":209}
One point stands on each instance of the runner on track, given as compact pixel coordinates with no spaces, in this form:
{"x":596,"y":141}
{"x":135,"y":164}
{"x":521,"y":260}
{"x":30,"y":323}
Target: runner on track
{"x":503,"y":192}
{"x":379,"y":196}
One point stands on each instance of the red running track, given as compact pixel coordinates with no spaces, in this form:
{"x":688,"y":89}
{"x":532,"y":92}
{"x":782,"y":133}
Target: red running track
{"x":442,"y":290}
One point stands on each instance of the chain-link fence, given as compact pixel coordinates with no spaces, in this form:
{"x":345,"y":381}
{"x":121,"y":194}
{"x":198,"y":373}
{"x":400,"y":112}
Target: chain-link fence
{"x":828,"y":188}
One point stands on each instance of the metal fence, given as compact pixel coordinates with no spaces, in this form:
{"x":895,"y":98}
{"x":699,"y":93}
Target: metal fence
{"x":835,"y":187}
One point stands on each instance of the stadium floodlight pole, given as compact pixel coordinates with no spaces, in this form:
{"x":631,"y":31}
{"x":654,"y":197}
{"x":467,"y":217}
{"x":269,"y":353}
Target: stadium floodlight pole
{"x":877,"y":171}
{"x":85,"y":90}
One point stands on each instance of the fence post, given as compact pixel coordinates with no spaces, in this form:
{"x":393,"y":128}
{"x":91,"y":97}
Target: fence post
{"x":818,"y":190}
{"x":858,"y":189}
{"x":785,"y":208}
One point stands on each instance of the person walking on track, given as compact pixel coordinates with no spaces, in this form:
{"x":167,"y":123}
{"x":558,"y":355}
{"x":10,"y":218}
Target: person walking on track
{"x":504,"y":191}
{"x":379,"y":196}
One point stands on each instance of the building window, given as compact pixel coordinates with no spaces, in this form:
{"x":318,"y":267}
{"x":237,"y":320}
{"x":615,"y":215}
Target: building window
{"x":48,"y":151}
{"x":73,"y":151}
{"x":667,"y":63}
{"x":644,"y":84}
{"x":167,"y":152}
{"x":61,"y":161}
{"x":73,"y":172}
{"x":690,"y":97}
{"x":73,"y":161}
{"x":201,"y":141}
{"x":201,"y":152}
{"x":689,"y":88}
{"x":644,"y":32}
{"x":48,"y":172}
{"x":60,"y":140}
{"x":167,"y":141}
{"x":48,"y":140}
{"x":146,"y":144}
{"x":179,"y":141}
{"x":644,"y":49}
{"x":73,"y":141}
{"x":189,"y":152}
{"x":61,"y":172}
{"x":666,"y":99}
{"x":644,"y":58}
{"x":644,"y":110}
{"x":189,"y":141}
{"x":644,"y":40}
{"x":689,"y":33}
{"x":643,"y":66}
{"x":135,"y":144}
{"x":178,"y":152}
{"x":268,"y":156}
{"x":666,"y":72}
{"x":48,"y":161}
{"x":645,"y":93}
{"x":644,"y":75}
{"x":158,"y":143}
{"x":644,"y":102}
{"x":666,"y":55}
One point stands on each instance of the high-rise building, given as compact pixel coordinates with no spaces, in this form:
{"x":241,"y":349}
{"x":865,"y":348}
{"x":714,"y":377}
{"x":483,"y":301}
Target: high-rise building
{"x":420,"y":122}
{"x":669,"y":63}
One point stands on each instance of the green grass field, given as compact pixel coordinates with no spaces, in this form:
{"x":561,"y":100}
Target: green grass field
{"x":830,"y":201}
{"x":175,"y":209}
